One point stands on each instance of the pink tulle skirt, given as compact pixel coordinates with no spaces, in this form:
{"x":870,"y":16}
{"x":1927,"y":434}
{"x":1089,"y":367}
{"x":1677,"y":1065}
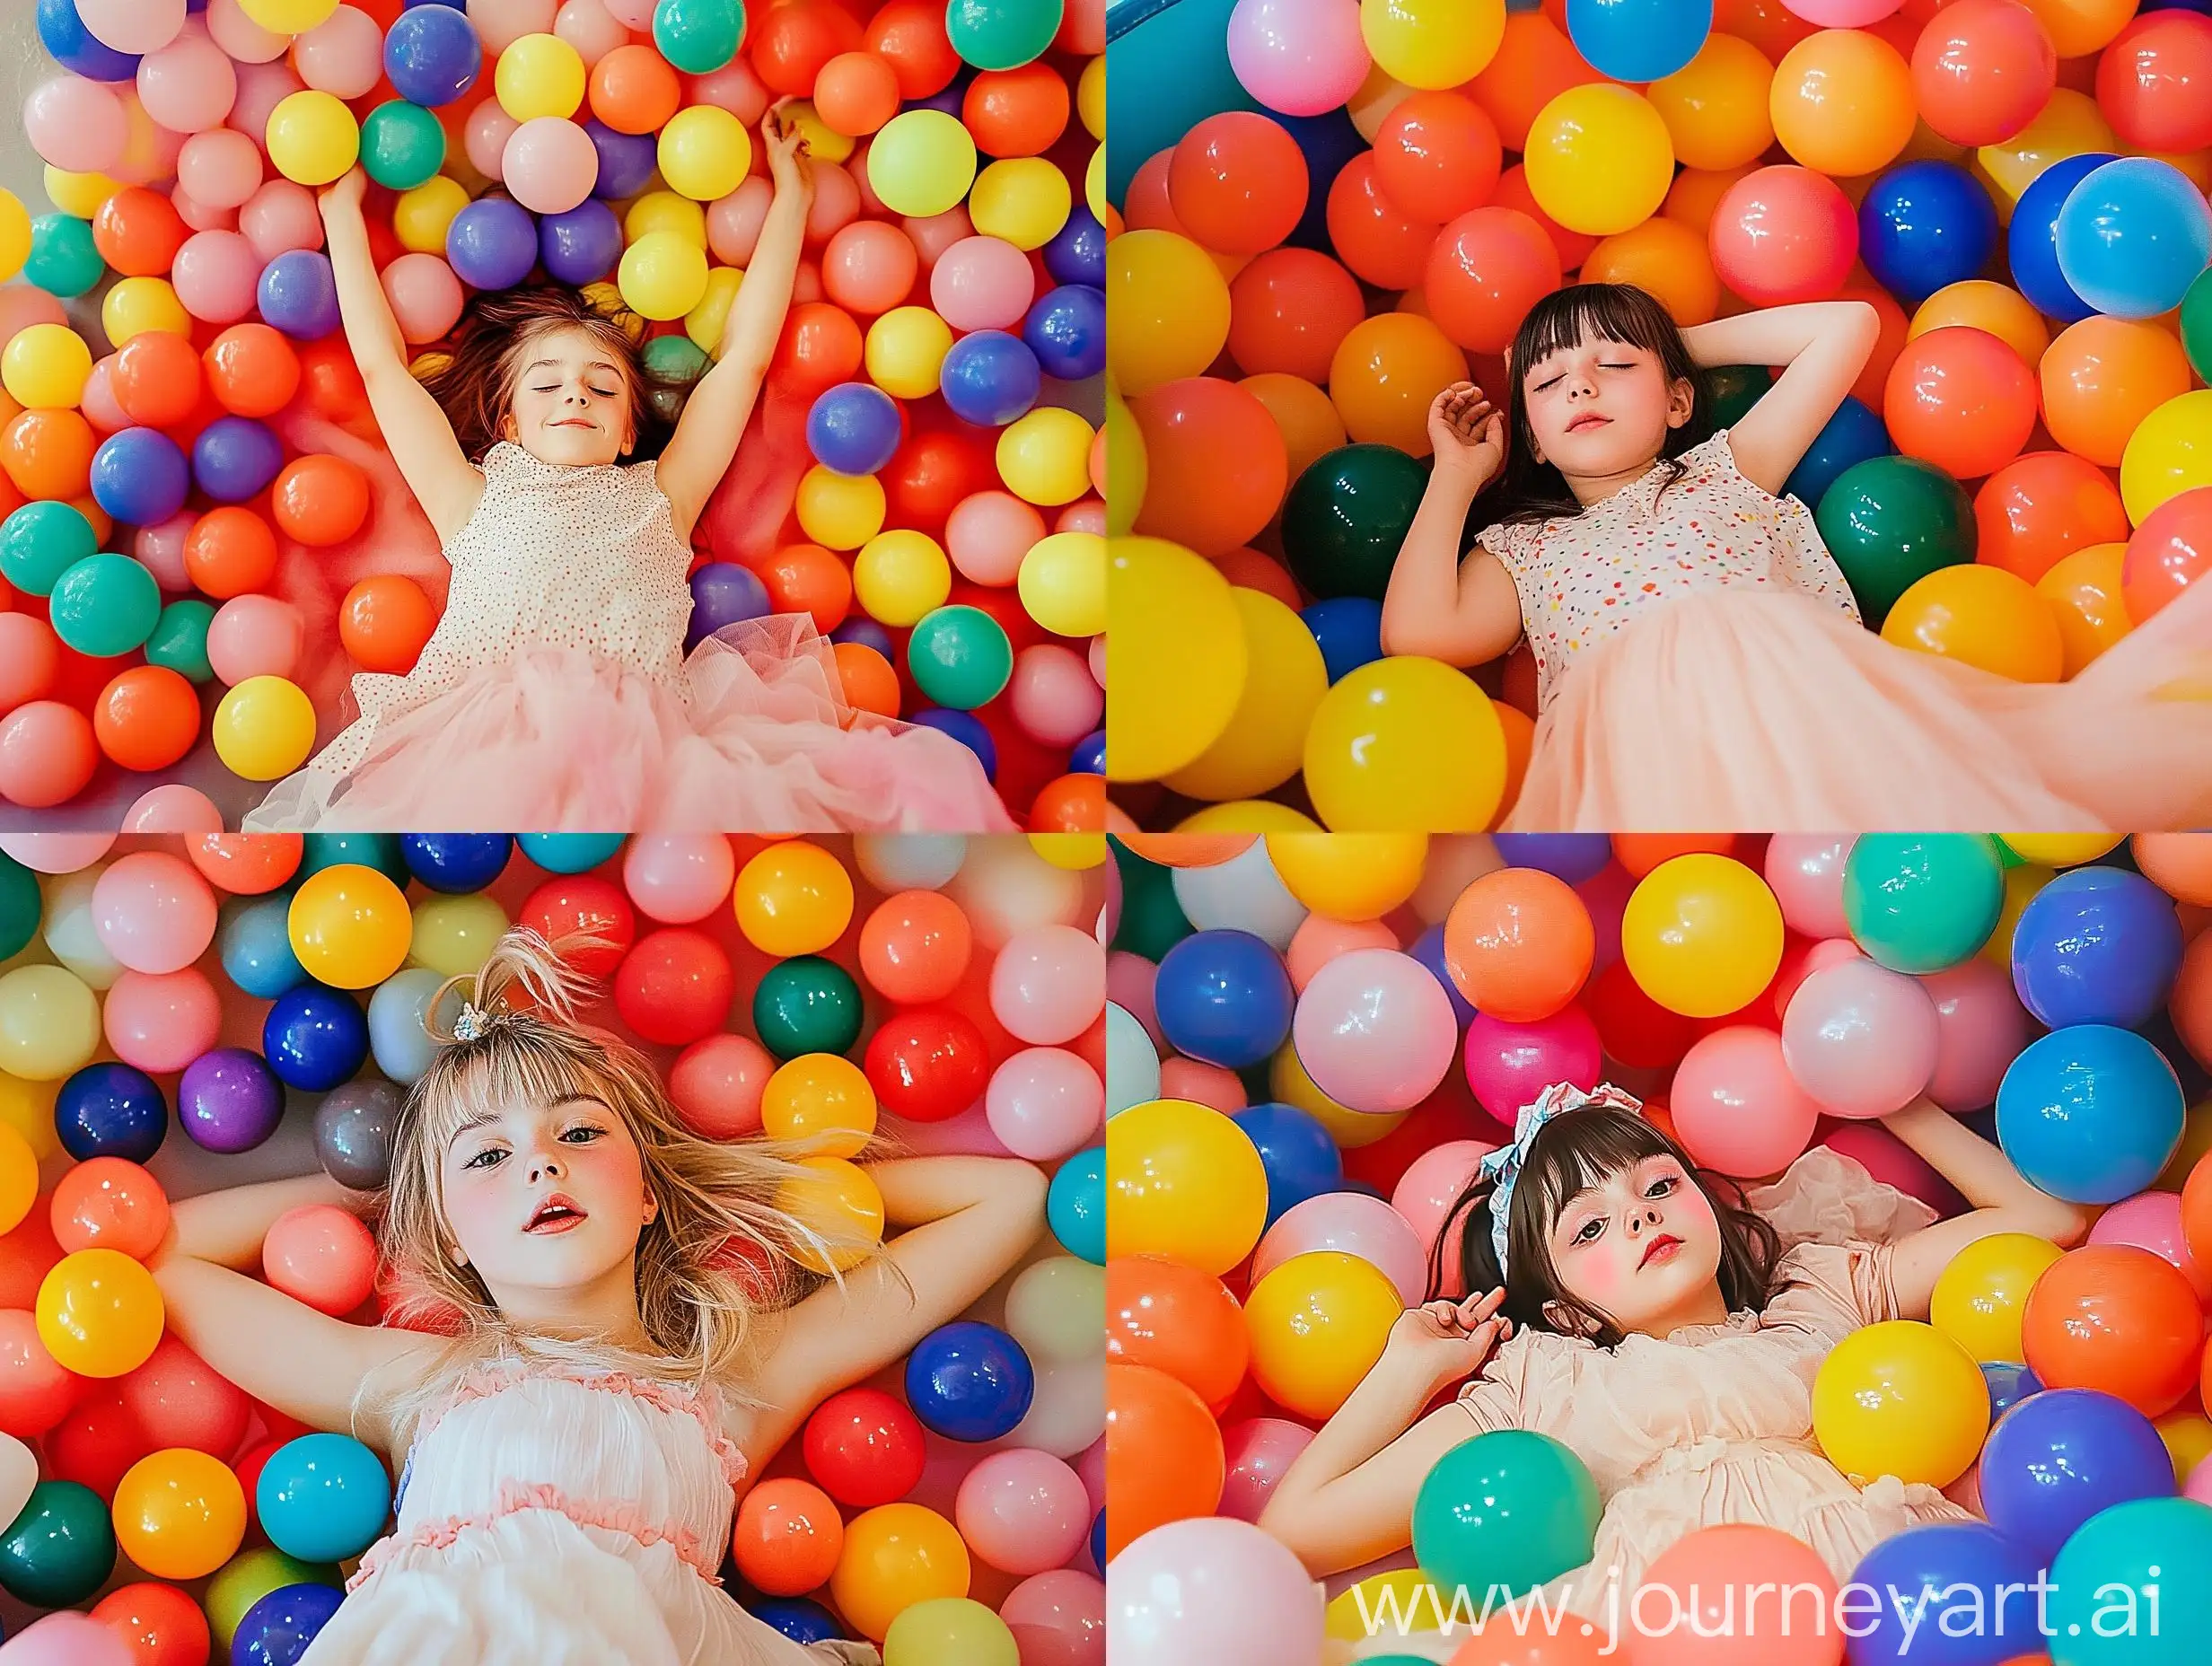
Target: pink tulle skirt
{"x":758,"y":737}
{"x":1759,"y":709}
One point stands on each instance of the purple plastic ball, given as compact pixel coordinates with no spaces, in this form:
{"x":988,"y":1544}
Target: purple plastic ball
{"x":725,"y":594}
{"x":298,"y":294}
{"x":234,"y":458}
{"x":229,"y":1100}
{"x":582,"y":246}
{"x":853,"y":428}
{"x":140,"y":477}
{"x":625,"y":161}
{"x":433,"y":55}
{"x":867,"y":632}
{"x":492,"y":243}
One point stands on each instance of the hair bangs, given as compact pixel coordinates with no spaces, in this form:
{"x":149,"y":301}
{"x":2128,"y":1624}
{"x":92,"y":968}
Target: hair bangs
{"x":1567,"y":317}
{"x":1573,"y":1153}
{"x":538,"y":1065}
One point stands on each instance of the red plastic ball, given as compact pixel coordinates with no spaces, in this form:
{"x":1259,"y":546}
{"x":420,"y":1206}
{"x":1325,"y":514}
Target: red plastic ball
{"x":1069,"y":804}
{"x":97,"y":1443}
{"x":2155,"y":81}
{"x":909,"y":35}
{"x":791,"y":42}
{"x":821,"y":347}
{"x":35,"y":1392}
{"x":1959,"y":398}
{"x":928,"y":1064}
{"x":109,"y":1203}
{"x":1016,"y":112}
{"x":1238,"y":183}
{"x":1782,"y":233}
{"x":179,"y":1400}
{"x":864,"y":1447}
{"x":2168,"y":553}
{"x":786,"y":1537}
{"x":572,"y":904}
{"x":674,"y":987}
{"x":160,"y":1624}
{"x":147,"y":717}
{"x":931,"y":473}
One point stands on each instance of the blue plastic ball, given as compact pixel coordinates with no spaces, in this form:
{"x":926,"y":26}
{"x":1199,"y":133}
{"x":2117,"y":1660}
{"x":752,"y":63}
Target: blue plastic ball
{"x":989,"y":378}
{"x":298,"y":294}
{"x":1852,"y":435}
{"x":2031,"y":241}
{"x":2061,"y":1456}
{"x":1428,"y":950}
{"x":398,"y":1041}
{"x":802,"y":1621}
{"x":277,"y":1630}
{"x":569,"y":853}
{"x":1075,"y":1204}
{"x":2009,"y":1383}
{"x":2096,"y":946}
{"x":966,"y":728}
{"x":254,"y":942}
{"x":969,"y":1382}
{"x":1077,"y":251}
{"x":1638,"y":39}
{"x":2091,"y":1114}
{"x":61,"y":33}
{"x":2133,"y":236}
{"x":723,"y":594}
{"x":235,"y":458}
{"x":853,"y":428}
{"x":229,"y":1100}
{"x":380,"y":851}
{"x":1924,"y":224}
{"x":1089,"y":758}
{"x":322,"y":1497}
{"x":492,"y":243}
{"x":1224,"y":997}
{"x":456,"y":864}
{"x":315,"y":1038}
{"x":1573,"y":857}
{"x":1946,"y":1560}
{"x":1299,"y":1155}
{"x":111,"y":1110}
{"x":582,"y":246}
{"x":1348,"y":631}
{"x":867,"y":632}
{"x":140,"y":477}
{"x":1066,"y":329}
{"x":433,"y":55}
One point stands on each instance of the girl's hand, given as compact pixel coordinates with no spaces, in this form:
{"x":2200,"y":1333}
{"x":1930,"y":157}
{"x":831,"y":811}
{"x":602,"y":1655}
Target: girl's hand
{"x":1467,"y":433}
{"x":1448,"y":1340}
{"x":347,"y":192}
{"x":787,"y":151}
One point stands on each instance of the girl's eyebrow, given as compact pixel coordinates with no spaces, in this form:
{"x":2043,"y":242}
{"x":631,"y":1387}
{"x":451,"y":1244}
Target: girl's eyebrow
{"x":556,"y":364}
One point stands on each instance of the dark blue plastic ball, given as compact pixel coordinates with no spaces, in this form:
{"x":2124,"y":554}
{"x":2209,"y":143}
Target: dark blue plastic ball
{"x":140,"y":477}
{"x":62,"y":31}
{"x":2031,"y":241}
{"x":456,"y":863}
{"x":298,"y":294}
{"x":967,"y":729}
{"x":277,"y":1629}
{"x":433,"y":55}
{"x":1852,"y":435}
{"x":989,"y":378}
{"x":1299,"y":1156}
{"x":723,"y":594}
{"x":235,"y":458}
{"x":315,"y":1038}
{"x":1348,"y":630}
{"x":1077,"y":251}
{"x":1066,"y":329}
{"x":582,"y":246}
{"x":111,"y":1110}
{"x":1223,"y":996}
{"x":1089,"y":758}
{"x":802,"y":1621}
{"x":853,"y":428}
{"x":969,"y":1382}
{"x":1925,"y":224}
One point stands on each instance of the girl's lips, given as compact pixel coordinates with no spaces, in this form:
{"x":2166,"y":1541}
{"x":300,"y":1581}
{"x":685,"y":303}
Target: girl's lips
{"x":1592,"y":421}
{"x":1660,"y":1248}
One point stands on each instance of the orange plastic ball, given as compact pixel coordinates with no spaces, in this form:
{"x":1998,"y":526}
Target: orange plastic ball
{"x":787,"y":1537}
{"x":1163,"y":1452}
{"x":1387,"y":371}
{"x":1238,"y":183}
{"x":1436,"y":155}
{"x":2101,"y":377}
{"x":856,"y":92}
{"x":1842,"y":102}
{"x":1983,"y":617}
{"x":230,"y":551}
{"x":1074,"y":803}
{"x":47,"y":753}
{"x":1961,"y":400}
{"x":2086,"y":591}
{"x":384,"y":622}
{"x":321,"y":500}
{"x":159,"y":1624}
{"x":49,"y":454}
{"x":1981,"y":69}
{"x":1640,"y":853}
{"x":30,"y":659}
{"x":1519,"y":944}
{"x":1535,"y":63}
{"x":1487,"y":269}
{"x":1016,"y":112}
{"x":870,"y":684}
{"x":1372,"y":235}
{"x":246,"y":864}
{"x":1176,"y":1319}
{"x":253,"y":371}
{"x":138,"y":233}
{"x":914,"y":947}
{"x":909,"y":35}
{"x":821,"y":347}
{"x":1288,"y":310}
{"x":112,"y":1203}
{"x":155,"y":378}
{"x":2117,"y":1319}
{"x":806,"y":578}
{"x":1217,"y":466}
{"x":147,"y":718}
{"x":2043,"y":506}
{"x":635,"y":90}
{"x":1665,"y":259}
{"x":789,"y":45}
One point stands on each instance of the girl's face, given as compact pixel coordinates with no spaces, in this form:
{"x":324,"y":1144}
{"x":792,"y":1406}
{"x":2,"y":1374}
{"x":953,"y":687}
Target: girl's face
{"x":1639,"y":1246}
{"x":571,"y":401}
{"x":1601,"y":409}
{"x":545,"y":1197}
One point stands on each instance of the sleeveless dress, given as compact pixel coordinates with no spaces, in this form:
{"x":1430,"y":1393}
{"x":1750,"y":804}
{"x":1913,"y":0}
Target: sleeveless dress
{"x":1715,"y":1424}
{"x":1700,"y":664}
{"x":549,"y":1517}
{"x":554,"y":695}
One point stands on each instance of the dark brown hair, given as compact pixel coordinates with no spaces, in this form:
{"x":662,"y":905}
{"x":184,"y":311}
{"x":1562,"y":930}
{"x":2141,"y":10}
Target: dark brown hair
{"x":1526,"y":489}
{"x":1577,"y":1149}
{"x":476,"y":384}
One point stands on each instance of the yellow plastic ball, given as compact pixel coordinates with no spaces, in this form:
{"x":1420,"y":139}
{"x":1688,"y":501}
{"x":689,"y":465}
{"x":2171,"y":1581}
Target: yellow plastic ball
{"x":1318,"y":1323}
{"x":349,"y":926}
{"x":822,"y":1102}
{"x":1256,"y":816}
{"x":455,"y":935}
{"x":1351,"y":1612}
{"x":1044,"y":457}
{"x":665,"y":211}
{"x":179,"y":1513}
{"x":14,"y":235}
{"x":420,"y":218}
{"x":1900,"y":1399}
{"x":2086,"y":589}
{"x":1349,"y":876}
{"x":1599,"y":159}
{"x":1978,"y":304}
{"x":662,"y":276}
{"x":45,"y":367}
{"x":1981,"y":615}
{"x":79,"y":195}
{"x":1263,"y":743}
{"x":894,"y":1557}
{"x":264,"y":728}
{"x":921,"y":163}
{"x":1127,"y":471}
{"x":2187,"y":1435}
{"x":2020,"y":884}
{"x":137,"y":304}
{"x":1185,"y":1183}
{"x":1062,"y":582}
{"x":1094,"y":196}
{"x":539,"y":75}
{"x":1406,"y":745}
{"x":1075,"y":853}
{"x":706,"y":322}
{"x":1979,"y":1297}
{"x":950,"y":1631}
{"x":839,"y":1204}
{"x":2069,"y":125}
{"x":1024,"y":199}
{"x":1715,"y":106}
{"x":312,"y":138}
{"x":900,"y":576}
{"x":50,"y":1023}
{"x":19,"y":1177}
{"x":1432,"y":43}
{"x":28,"y":1108}
{"x":1176,"y":658}
{"x":793,"y":898}
{"x":2170,"y":452}
{"x":824,"y":142}
{"x":1702,"y":934}
{"x":100,"y":1313}
{"x":839,"y":511}
{"x":2058,"y":850}
{"x":905,"y":352}
{"x":1091,"y":97}
{"x":704,"y":152}
{"x":1167,"y":307}
{"x":288,"y":17}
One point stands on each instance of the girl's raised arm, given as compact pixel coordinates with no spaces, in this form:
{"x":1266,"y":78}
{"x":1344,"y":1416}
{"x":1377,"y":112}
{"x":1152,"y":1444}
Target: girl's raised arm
{"x":1436,"y":605}
{"x":306,"y":1364}
{"x":714,"y":415}
{"x":415,"y":428}
{"x":970,"y":1220}
{"x":2003,"y":1202}
{"x":1822,"y":346}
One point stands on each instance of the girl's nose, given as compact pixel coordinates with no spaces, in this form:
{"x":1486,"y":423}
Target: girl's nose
{"x":547,"y":1165}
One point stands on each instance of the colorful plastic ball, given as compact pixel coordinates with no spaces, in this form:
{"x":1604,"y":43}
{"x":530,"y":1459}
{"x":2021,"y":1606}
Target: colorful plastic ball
{"x":235,"y":458}
{"x":1919,"y":903}
{"x":787,"y":1537}
{"x":314,"y":1039}
{"x":960,"y":657}
{"x":1782,"y":233}
{"x":1318,"y":1323}
{"x":350,"y":927}
{"x":162,"y":1624}
{"x":864,"y":1447}
{"x":322,"y":1497}
{"x":1984,"y":72}
{"x":1637,"y":41}
{"x":2166,"y":455}
{"x":895,"y":1556}
{"x":808,"y":1005}
{"x":2115,"y":1550}
{"x":698,"y":37}
{"x":662,"y":275}
{"x":854,"y":429}
{"x":1170,"y":307}
{"x":100,"y":1313}
{"x":2096,"y":946}
{"x":264,"y":728}
{"x":1983,"y":617}
{"x":569,"y":853}
{"x":1001,"y":34}
{"x":1223,"y":998}
{"x":1891,"y":520}
{"x":2067,"y":1454}
{"x":989,"y":378}
{"x":111,"y":1110}
{"x":2132,"y":236}
{"x":64,"y":259}
{"x":2167,"y":554}
{"x":1961,"y":400}
{"x":105,"y":605}
{"x":1075,"y":1205}
{"x":2118,"y":1318}
{"x":60,"y":1549}
{"x":46,"y":367}
{"x":1599,"y":159}
{"x":40,"y":541}
{"x":229,"y":1100}
{"x":402,"y":145}
{"x":492,"y":243}
{"x":179,"y":1513}
{"x":582,"y":246}
{"x":312,"y":138}
{"x":1186,"y":1183}
{"x":1510,"y":1509}
{"x":2090,"y":1113}
{"x":1702,"y":936}
{"x":322,"y":1255}
{"x":969,"y":1381}
{"x":2032,"y":246}
{"x":921,"y":163}
{"x":1925,"y":224}
{"x":1900,"y":1399}
{"x":277,"y":1630}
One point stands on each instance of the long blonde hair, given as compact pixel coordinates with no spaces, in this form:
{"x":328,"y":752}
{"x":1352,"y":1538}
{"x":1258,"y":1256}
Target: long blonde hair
{"x":720,"y":1250}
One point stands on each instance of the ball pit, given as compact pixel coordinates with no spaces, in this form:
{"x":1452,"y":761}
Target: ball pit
{"x":1265,"y":1231}
{"x":948,"y":1501}
{"x":194,"y":393}
{"x":1327,"y":213}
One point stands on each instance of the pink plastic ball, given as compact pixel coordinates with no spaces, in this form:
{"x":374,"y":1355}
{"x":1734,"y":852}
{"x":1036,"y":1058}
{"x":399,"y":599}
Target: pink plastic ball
{"x":549,"y":164}
{"x":1375,"y":1030}
{"x":215,"y":276}
{"x":1058,"y":1618}
{"x":198,"y":216}
{"x":592,"y":29}
{"x":1351,"y":1223}
{"x":261,"y":88}
{"x":56,"y":853}
{"x":322,"y":1256}
{"x":426,"y":296}
{"x":160,"y":549}
{"x":734,"y":222}
{"x":1860,"y":1039}
{"x":500,"y":24}
{"x":715,"y":1085}
{"x":1052,"y":695}
{"x":1303,"y":57}
{"x":160,"y":1022}
{"x":1044,"y":1104}
{"x":934,"y":233}
{"x":734,"y":87}
{"x":76,"y":125}
{"x":1257,"y":1452}
{"x":982,"y":282}
{"x":1085,"y":514}
{"x":172,"y":809}
{"x":1782,"y":233}
{"x":179,"y":1400}
{"x":1425,"y":1192}
{"x":98,"y":401}
{"x":2152,"y":1221}
{"x":1980,"y":1028}
{"x":1735,"y":1106}
{"x":154,"y":912}
{"x":220,"y":167}
{"x":189,"y":85}
{"x":1509,"y":1064}
{"x":1131,"y":981}
{"x":132,"y":25}
{"x":988,"y":533}
{"x":1023,"y":1511}
{"x":1842,"y":13}
{"x":678,"y":878}
{"x":67,"y":1639}
{"x":632,"y":13}
{"x":280,"y":217}
{"x":22,"y":305}
{"x":485,"y":138}
{"x":255,"y":635}
{"x":1213,"y":1085}
{"x":836,"y":203}
{"x":1895,"y":1163}
{"x":1319,"y":939}
{"x":1048,"y":984}
{"x":868,"y":268}
{"x":343,"y":55}
{"x":1805,"y":873}
{"x":240,"y":37}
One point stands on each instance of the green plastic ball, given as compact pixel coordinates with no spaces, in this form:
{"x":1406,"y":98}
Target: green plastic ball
{"x":2133,"y":1586}
{"x":1002,"y":34}
{"x":807,"y":1005}
{"x":2197,"y":325}
{"x":676,"y":358}
{"x":1921,"y":902}
{"x":380,"y":851}
{"x":1152,"y":920}
{"x":698,"y":37}
{"x":247,"y":1577}
{"x":105,"y":606}
{"x":960,"y":657}
{"x":1729,"y":390}
{"x":1890,"y":522}
{"x":179,"y":639}
{"x":402,"y":144}
{"x":1347,"y":515}
{"x":39,"y":542}
{"x":60,"y":1549}
{"x":1510,"y":1509}
{"x":21,"y":906}
{"x":64,"y":259}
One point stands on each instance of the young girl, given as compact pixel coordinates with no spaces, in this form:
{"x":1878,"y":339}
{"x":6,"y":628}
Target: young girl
{"x":628,"y":1338}
{"x":1662,"y":1326}
{"x":1699,"y":657}
{"x":555,"y":692}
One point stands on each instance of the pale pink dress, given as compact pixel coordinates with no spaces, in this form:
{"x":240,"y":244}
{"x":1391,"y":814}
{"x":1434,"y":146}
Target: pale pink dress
{"x":549,"y":1517}
{"x":1700,"y":664}
{"x":1715,"y":1424}
{"x":554,"y":695}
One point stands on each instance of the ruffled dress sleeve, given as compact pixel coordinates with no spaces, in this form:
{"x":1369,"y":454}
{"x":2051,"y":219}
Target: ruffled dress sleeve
{"x":1524,"y":1384}
{"x":1839,"y":1228}
{"x":1801,"y":559}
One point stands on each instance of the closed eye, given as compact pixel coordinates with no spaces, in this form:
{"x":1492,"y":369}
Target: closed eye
{"x":1627,"y":366}
{"x":1551,"y":381}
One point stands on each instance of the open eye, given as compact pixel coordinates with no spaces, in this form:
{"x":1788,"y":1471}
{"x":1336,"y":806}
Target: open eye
{"x":582,"y":1134}
{"x":1663,"y":1186}
{"x":489,"y":1157}
{"x":1587,"y":1232}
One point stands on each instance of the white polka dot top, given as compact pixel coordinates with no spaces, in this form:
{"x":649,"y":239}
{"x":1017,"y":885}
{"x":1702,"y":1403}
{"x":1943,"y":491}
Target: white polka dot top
{"x":1582,"y":579}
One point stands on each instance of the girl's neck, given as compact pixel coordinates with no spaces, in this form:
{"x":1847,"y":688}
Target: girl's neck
{"x":1590,"y":490}
{"x":604,"y":1310}
{"x":1705,"y":1307}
